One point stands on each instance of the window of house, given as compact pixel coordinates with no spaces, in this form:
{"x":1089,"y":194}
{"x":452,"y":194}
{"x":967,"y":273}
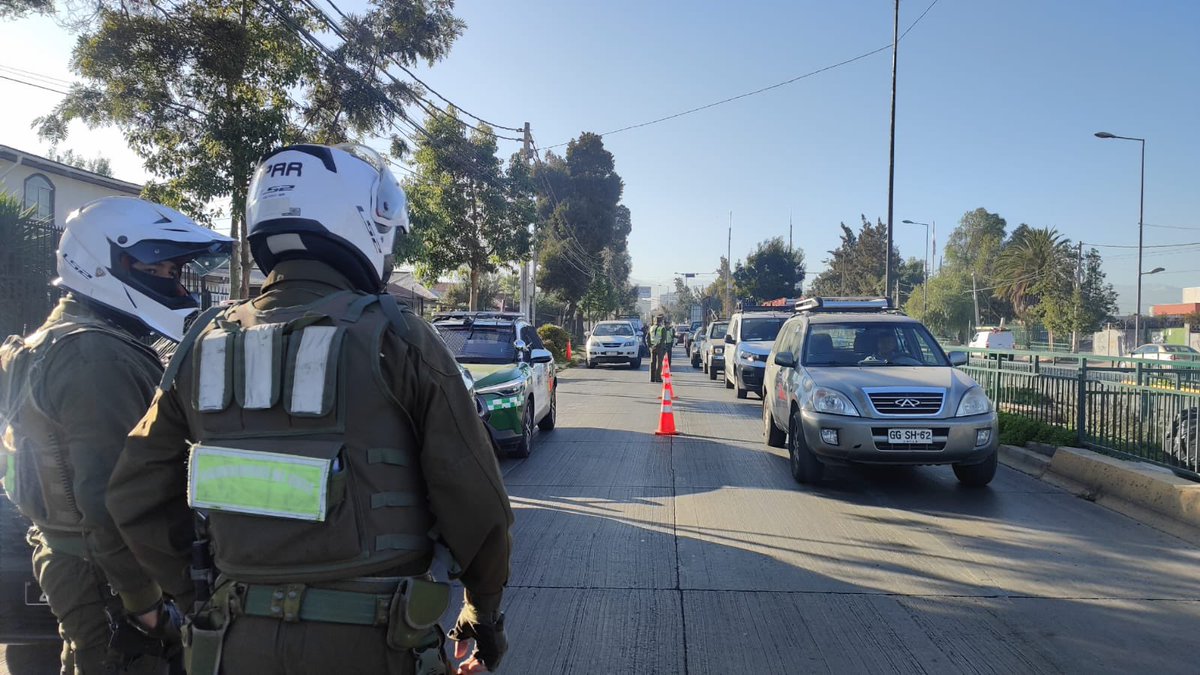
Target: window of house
{"x":39,"y":196}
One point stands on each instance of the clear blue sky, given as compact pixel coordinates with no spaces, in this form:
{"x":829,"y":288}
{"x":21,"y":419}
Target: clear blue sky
{"x":997,"y":106}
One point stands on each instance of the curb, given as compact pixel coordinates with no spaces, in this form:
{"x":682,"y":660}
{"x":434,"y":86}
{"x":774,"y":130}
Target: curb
{"x":1144,"y":492}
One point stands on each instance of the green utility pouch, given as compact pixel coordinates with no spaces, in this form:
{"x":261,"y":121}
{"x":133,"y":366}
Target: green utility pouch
{"x":204,"y":635}
{"x":416,"y":607}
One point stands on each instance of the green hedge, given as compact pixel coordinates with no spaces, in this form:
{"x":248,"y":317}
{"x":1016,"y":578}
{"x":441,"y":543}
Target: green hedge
{"x":555,"y":338}
{"x":1017,"y":430}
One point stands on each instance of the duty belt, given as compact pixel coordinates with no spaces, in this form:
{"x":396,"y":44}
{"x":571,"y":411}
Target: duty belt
{"x":296,"y":602}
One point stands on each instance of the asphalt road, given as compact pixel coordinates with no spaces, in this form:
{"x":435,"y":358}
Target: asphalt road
{"x":698,"y":554}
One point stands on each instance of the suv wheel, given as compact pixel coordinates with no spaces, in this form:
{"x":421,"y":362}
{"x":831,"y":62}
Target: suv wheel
{"x":728,"y":384}
{"x":548,"y":421}
{"x":977,"y":475}
{"x":635,"y":364}
{"x":591,"y":363}
{"x":741,"y":393}
{"x":523,"y":446}
{"x":773,"y":435}
{"x":806,"y":468}
{"x":695,"y":360}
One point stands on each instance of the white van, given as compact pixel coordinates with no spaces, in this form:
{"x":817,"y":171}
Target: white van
{"x":993,"y":338}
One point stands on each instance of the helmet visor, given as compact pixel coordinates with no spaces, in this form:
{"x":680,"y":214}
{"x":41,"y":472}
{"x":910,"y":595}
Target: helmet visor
{"x":390,"y":203}
{"x":201,"y":258}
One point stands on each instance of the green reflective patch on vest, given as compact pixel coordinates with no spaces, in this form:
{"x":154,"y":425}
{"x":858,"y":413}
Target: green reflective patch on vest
{"x":258,"y":483}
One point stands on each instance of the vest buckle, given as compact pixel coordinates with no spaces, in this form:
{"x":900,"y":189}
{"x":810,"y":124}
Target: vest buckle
{"x":285,"y":602}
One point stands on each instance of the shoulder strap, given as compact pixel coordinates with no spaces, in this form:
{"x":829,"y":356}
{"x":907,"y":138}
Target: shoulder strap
{"x":186,"y":344}
{"x":394,"y":310}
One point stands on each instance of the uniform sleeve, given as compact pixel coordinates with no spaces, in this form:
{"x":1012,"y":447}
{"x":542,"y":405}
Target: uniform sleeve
{"x":148,"y":495}
{"x":466,"y":492}
{"x":98,"y":396}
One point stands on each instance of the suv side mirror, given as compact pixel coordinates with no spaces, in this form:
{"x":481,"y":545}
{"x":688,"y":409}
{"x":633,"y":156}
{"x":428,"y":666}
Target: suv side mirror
{"x":957,"y":358}
{"x":587,"y":333}
{"x":785,"y":359}
{"x":541,"y":356}
{"x":520,"y":345}
{"x":729,"y":339}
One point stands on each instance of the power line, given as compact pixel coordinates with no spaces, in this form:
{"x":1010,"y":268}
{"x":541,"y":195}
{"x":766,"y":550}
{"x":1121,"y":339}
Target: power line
{"x":764,"y":89}
{"x":328,"y":21}
{"x":1172,"y":227}
{"x":21,"y":72}
{"x":32,"y":84}
{"x":431,"y":89}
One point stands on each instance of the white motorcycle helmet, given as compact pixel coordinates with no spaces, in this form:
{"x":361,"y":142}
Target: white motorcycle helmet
{"x":338,"y":204}
{"x":103,"y":239}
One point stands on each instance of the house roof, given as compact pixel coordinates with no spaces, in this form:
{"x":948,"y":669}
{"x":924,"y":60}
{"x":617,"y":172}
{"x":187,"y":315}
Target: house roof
{"x":405,"y":284}
{"x":59,"y":169}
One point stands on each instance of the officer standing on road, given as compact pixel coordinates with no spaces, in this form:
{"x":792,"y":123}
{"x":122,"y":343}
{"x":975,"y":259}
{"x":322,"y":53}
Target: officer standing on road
{"x":662,"y":337}
{"x":70,"y":393}
{"x":325,"y":433}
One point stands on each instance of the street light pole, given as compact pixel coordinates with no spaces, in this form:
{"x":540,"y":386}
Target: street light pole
{"x":925,"y":284}
{"x":1137,"y":314}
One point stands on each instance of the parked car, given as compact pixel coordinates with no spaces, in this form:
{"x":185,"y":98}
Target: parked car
{"x":613,"y":342}
{"x":639,"y":328}
{"x":1166,"y":353}
{"x":750,"y":335}
{"x":514,"y":374}
{"x":993,"y":338}
{"x":850,"y":381}
{"x":692,"y":333}
{"x":712,"y":350}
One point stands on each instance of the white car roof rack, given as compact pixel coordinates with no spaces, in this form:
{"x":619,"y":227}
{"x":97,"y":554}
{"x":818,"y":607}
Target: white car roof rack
{"x":844,"y":304}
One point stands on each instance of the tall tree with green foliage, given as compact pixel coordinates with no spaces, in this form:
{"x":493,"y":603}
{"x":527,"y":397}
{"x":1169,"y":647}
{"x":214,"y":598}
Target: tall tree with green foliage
{"x":947,"y":309}
{"x":584,"y":232}
{"x":202,"y":88}
{"x":467,"y":212}
{"x":15,"y":9}
{"x":857,"y":265}
{"x":1035,"y":266}
{"x":770,"y":271}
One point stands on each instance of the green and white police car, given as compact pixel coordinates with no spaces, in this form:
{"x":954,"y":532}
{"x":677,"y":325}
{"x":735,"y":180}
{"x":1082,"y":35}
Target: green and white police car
{"x":514,"y":374}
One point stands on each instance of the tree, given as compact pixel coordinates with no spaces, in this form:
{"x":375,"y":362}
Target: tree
{"x":949,"y":311}
{"x":1034,"y":267}
{"x":771,"y":271}
{"x":583,"y":228}
{"x":467,"y":212}
{"x":857,"y":265}
{"x":973,"y":248}
{"x":202,"y":88}
{"x":717,"y":290}
{"x":1091,"y":302}
{"x":99,"y":165}
{"x":15,"y":9}
{"x":487,"y":294}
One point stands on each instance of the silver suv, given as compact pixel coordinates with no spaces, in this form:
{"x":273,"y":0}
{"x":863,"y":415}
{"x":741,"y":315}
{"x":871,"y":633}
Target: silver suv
{"x":851,"y":381}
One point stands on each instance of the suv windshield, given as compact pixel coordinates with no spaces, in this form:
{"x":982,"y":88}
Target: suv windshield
{"x":480,"y":344}
{"x":863,"y":343}
{"x":719,"y":329}
{"x":603,"y":329}
{"x":761,"y":329}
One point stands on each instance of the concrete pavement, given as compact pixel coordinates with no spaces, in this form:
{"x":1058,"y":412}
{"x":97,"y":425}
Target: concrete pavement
{"x":698,"y":554}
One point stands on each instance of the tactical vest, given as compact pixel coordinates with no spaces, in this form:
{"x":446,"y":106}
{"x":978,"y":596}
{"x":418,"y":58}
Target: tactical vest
{"x":39,"y":478}
{"x":306,"y":466}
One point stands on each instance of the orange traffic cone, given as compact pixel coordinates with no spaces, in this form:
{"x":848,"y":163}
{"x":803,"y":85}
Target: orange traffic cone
{"x":568,"y":350}
{"x":666,"y":420}
{"x":666,"y":375}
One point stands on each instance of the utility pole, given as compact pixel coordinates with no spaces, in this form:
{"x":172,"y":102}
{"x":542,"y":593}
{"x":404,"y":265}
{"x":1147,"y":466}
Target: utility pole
{"x":1078,"y":309}
{"x":975,"y":298}
{"x":887,"y":254}
{"x":729,"y":270}
{"x":790,"y":249}
{"x":529,"y":270}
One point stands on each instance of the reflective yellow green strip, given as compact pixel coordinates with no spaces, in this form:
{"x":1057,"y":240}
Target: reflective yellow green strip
{"x":259,"y":483}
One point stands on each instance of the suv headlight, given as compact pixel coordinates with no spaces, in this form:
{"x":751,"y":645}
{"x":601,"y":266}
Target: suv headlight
{"x":829,"y":401}
{"x":974,"y":402}
{"x":510,"y":388}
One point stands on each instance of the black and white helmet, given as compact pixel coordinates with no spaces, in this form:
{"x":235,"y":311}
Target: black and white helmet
{"x":339,"y":204}
{"x":103,"y":239}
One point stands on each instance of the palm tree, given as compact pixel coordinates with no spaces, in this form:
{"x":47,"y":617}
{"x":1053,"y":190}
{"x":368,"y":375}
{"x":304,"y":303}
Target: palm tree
{"x":1034,"y":265}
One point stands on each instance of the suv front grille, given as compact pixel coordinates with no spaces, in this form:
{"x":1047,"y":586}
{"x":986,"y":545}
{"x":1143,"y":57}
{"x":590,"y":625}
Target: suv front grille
{"x":907,"y":403}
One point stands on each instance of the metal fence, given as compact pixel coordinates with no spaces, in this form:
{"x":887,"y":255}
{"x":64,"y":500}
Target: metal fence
{"x":1141,"y":408}
{"x":28,"y":263}
{"x":27,"y":266}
